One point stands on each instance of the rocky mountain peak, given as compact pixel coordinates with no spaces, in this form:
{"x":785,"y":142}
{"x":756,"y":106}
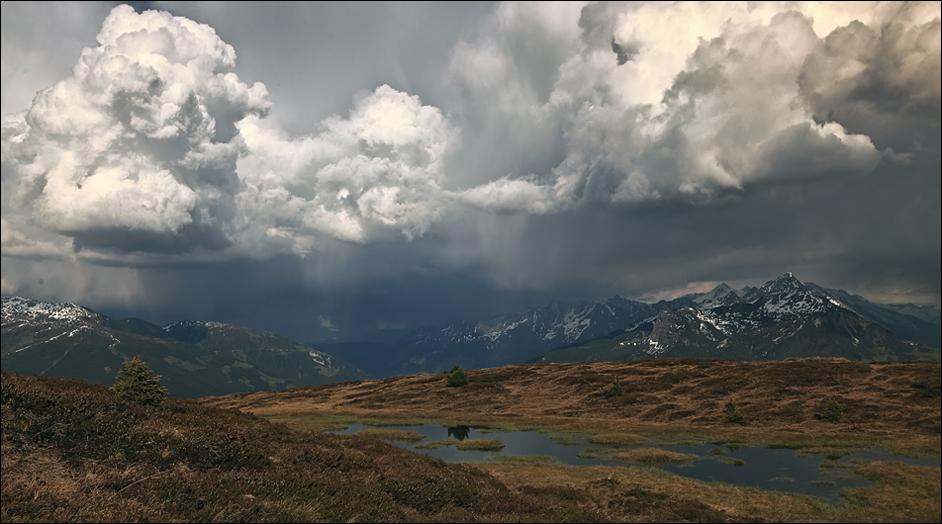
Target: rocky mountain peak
{"x":784,"y":284}
{"x":721,"y":295}
{"x":28,"y":309}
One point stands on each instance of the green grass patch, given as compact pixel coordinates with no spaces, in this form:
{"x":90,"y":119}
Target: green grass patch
{"x":723,"y":459}
{"x":182,"y":364}
{"x":480,"y":444}
{"x":273,"y":382}
{"x":436,"y":444}
{"x":395,"y":435}
{"x":828,"y":451}
{"x":327,"y":372}
{"x":648,"y":455}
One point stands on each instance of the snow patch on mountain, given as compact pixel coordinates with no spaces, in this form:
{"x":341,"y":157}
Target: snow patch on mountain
{"x":185,"y":324}
{"x":28,"y":310}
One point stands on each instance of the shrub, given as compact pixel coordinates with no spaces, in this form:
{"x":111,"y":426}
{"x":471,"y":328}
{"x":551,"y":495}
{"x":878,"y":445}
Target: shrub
{"x":733,"y":414}
{"x":457,"y":377}
{"x":615,"y":391}
{"x":136,"y":384}
{"x":832,"y":411}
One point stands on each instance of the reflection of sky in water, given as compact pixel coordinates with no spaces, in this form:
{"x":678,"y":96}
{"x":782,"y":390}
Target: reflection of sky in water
{"x":769,"y":469}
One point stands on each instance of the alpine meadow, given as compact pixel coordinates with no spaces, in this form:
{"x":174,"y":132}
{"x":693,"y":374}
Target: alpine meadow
{"x":471,"y":261}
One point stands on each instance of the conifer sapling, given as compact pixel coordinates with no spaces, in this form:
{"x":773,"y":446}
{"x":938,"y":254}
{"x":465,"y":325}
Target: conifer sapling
{"x":136,"y":384}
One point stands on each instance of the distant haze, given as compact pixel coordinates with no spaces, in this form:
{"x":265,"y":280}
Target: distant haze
{"x":328,"y":170}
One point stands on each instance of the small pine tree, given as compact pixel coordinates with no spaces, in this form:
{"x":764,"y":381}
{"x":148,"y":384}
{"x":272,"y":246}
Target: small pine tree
{"x":136,"y":384}
{"x":615,"y":391}
{"x":733,"y":414}
{"x":457,"y":377}
{"x":832,"y":411}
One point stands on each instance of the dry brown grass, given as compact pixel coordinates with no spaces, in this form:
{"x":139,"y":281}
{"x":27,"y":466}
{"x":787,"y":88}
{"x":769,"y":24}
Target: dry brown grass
{"x":653,"y":456}
{"x":651,"y":495}
{"x":883,"y":403}
{"x":623,"y":439}
{"x":72,"y":452}
{"x":903,"y":494}
{"x":480,"y":444}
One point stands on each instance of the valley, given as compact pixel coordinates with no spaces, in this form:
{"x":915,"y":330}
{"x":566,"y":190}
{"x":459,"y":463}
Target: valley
{"x":194,"y":358}
{"x":640,"y":391}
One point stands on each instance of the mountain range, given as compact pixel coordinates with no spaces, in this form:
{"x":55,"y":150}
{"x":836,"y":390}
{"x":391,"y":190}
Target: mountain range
{"x":783,"y":318}
{"x":194,"y":358}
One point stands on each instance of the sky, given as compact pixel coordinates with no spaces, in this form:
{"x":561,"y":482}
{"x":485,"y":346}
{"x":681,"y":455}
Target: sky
{"x":327,"y":170}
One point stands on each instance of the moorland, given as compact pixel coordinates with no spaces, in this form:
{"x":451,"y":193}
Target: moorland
{"x":72,"y":451}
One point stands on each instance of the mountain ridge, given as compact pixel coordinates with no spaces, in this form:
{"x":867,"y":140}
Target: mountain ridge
{"x":783,"y":318}
{"x":773,"y":312}
{"x":525,"y":336}
{"x":195,"y":358}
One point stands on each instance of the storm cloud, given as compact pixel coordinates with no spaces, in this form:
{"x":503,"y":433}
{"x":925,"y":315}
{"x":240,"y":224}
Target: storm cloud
{"x":560,"y":150}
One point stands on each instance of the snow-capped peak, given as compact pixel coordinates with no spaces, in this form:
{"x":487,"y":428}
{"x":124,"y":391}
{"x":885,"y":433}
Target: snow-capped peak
{"x":721,"y":295}
{"x":30,"y":309}
{"x":783,"y":285}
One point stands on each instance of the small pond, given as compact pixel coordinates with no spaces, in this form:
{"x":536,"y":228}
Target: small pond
{"x":763,"y":468}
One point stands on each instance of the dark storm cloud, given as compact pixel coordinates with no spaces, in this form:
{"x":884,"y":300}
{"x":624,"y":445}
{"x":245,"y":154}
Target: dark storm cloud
{"x":186,"y":240}
{"x":394,"y":163}
{"x":823,"y":231}
{"x":325,"y":52}
{"x":882,"y":82}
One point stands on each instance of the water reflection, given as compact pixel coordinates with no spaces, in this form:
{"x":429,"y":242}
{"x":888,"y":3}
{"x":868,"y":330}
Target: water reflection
{"x":459,"y":432}
{"x":764,"y":468}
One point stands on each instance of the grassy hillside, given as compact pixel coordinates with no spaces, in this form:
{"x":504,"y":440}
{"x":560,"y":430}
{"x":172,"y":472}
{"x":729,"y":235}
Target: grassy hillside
{"x":71,"y":451}
{"x":895,"y":403}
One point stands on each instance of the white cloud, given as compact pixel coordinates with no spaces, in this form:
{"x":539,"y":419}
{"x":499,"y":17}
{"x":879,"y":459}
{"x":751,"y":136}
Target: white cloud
{"x":706,"y":100}
{"x":139,"y":137}
{"x":326,"y":323}
{"x":377,"y":172}
{"x":154,"y":145}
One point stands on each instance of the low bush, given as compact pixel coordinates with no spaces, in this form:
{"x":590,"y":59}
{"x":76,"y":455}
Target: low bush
{"x":831,"y":411}
{"x":615,"y":391}
{"x":457,"y":377}
{"x":733,"y":413}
